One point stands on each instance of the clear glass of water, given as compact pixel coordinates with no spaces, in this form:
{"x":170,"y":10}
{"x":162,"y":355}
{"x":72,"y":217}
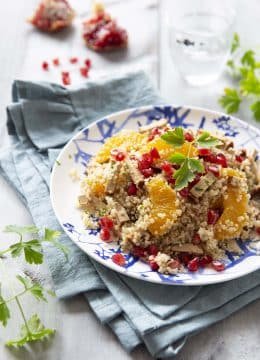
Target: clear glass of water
{"x":200,"y":36}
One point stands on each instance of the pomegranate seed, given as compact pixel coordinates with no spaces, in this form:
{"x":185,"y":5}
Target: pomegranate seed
{"x":195,"y":181}
{"x":118,"y":259}
{"x":189,"y":137}
{"x":105,"y":234}
{"x":196,"y":239}
{"x":213,"y":216}
{"x":153,"y":265}
{"x":193,"y":264}
{"x":185,"y":258}
{"x":153,"y":133}
{"x":152,"y":250}
{"x":145,"y":162}
{"x":218,"y":265}
{"x":45,"y":65}
{"x":106,"y":222}
{"x":205,"y":260}
{"x":205,"y":152}
{"x":132,"y":189}
{"x":154,"y":154}
{"x":221,"y":160}
{"x":65,"y":73}
{"x":73,"y":60}
{"x":184,"y":192}
{"x":56,"y":62}
{"x":119,"y":155}
{"x":214,"y":170}
{"x":66,"y":80}
{"x":240,"y":158}
{"x":167,"y":168}
{"x":174,"y":264}
{"x":84,"y":71}
{"x":138,"y":251}
{"x":147,"y":172}
{"x":87,"y":63}
{"x":257,"y":230}
{"x":170,"y":180}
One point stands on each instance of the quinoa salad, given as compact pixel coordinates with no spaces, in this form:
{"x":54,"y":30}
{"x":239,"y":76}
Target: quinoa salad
{"x":177,"y":199}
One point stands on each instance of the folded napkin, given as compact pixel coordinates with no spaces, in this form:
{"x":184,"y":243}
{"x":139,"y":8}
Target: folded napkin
{"x":42,"y":118}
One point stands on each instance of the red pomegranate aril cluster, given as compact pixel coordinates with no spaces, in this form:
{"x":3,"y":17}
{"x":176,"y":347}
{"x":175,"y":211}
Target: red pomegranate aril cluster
{"x":213,"y":216}
{"x":45,"y":66}
{"x":218,"y":265}
{"x":154,"y":154}
{"x":106,"y":224}
{"x":118,"y":259}
{"x":153,"y":265}
{"x":152,"y":250}
{"x":139,"y":251}
{"x":205,"y":152}
{"x":188,"y":137}
{"x":221,"y":160}
{"x":153,"y":133}
{"x":65,"y":76}
{"x":239,"y":158}
{"x":184,"y":192}
{"x":167,"y":168}
{"x":205,"y":260}
{"x":193,"y":265}
{"x":132,"y":189}
{"x":146,"y":162}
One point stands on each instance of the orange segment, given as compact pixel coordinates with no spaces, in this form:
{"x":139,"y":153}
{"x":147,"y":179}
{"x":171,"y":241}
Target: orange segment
{"x":97,"y":187}
{"x":165,"y":149}
{"x":126,"y":140}
{"x":163,"y":211}
{"x":231,"y":172}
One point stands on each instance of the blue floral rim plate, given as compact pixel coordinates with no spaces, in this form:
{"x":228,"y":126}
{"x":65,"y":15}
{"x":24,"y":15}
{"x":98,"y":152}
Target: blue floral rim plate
{"x":86,"y":143}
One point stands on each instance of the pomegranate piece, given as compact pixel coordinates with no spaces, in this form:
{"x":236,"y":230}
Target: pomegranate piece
{"x":218,"y":265}
{"x":153,"y":265}
{"x":213,"y":216}
{"x":139,"y":251}
{"x":204,"y":152}
{"x":152,"y":250}
{"x":132,"y":189}
{"x":105,"y":234}
{"x":185,"y":258}
{"x":102,"y":33}
{"x":73,"y":60}
{"x":154,"y":154}
{"x":118,"y":155}
{"x":65,"y":76}
{"x":118,"y":259}
{"x":52,"y":15}
{"x":214,"y":169}
{"x":45,"y":65}
{"x":257,"y":230}
{"x":106,"y":222}
{"x":84,"y":71}
{"x":167,"y":168}
{"x":196,"y":239}
{"x":87,"y":63}
{"x":145,"y":162}
{"x":205,"y":260}
{"x":188,"y":137}
{"x":147,"y":172}
{"x":184,"y":192}
{"x":153,"y":133}
{"x":193,"y":265}
{"x":239,"y":158}
{"x":221,"y":160}
{"x":56,"y":62}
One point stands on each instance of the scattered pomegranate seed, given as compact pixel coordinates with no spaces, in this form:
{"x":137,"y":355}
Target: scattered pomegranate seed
{"x":147,"y":172}
{"x":118,"y":259}
{"x":193,"y":264}
{"x":152,"y":250}
{"x":45,"y":65}
{"x":188,"y":137}
{"x":106,"y":222}
{"x":153,"y":133}
{"x":118,"y":155}
{"x":73,"y":60}
{"x":205,"y":260}
{"x":174,"y":264}
{"x":170,"y":180}
{"x":196,"y":239}
{"x":154,"y":154}
{"x":185,"y":258}
{"x":240,"y":158}
{"x":153,"y":265}
{"x":205,"y":152}
{"x":132,"y":189}
{"x":257,"y":230}
{"x":66,"y":78}
{"x":213,"y":216}
{"x":221,"y":160}
{"x":184,"y":192}
{"x":84,"y":71}
{"x":167,"y":168}
{"x":218,"y":265}
{"x":105,"y":234}
{"x":214,"y":169}
{"x":87,"y":63}
{"x":56,"y":62}
{"x":145,"y":162}
{"x":138,"y":251}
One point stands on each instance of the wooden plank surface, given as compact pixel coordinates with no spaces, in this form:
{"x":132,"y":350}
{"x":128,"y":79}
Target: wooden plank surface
{"x":79,"y":334}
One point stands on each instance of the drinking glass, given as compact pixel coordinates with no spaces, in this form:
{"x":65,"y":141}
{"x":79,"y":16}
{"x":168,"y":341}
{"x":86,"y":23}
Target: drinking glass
{"x":200,"y":35}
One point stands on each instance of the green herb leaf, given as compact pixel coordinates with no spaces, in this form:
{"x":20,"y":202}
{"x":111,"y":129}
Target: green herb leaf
{"x":33,"y":252}
{"x":183,"y":176}
{"x":255,"y":107}
{"x":195,"y":165}
{"x":4,"y":311}
{"x":177,"y":158}
{"x":231,"y":64}
{"x":207,"y":140}
{"x":37,"y":332}
{"x":250,"y":84}
{"x":174,"y":137}
{"x":52,"y":236}
{"x":248,"y":59}
{"x":230,"y":101}
{"x":235,"y":43}
{"x":34,"y":288}
{"x":21,"y":230}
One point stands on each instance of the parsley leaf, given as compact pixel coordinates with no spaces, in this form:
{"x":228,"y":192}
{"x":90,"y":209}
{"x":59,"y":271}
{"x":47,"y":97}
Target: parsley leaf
{"x":255,"y":107}
{"x":177,"y":158}
{"x":37,"y":332}
{"x":235,"y":43}
{"x":4,"y":311}
{"x":52,"y":236}
{"x":174,"y":137}
{"x":21,"y":230}
{"x":250,"y":84}
{"x":248,"y":59}
{"x":34,"y":288}
{"x":230,"y":100}
{"x":32,"y":250}
{"x":207,"y":140}
{"x":195,"y":165}
{"x":183,"y":176}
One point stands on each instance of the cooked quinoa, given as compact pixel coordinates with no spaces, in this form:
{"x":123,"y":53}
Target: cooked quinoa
{"x":174,"y":203}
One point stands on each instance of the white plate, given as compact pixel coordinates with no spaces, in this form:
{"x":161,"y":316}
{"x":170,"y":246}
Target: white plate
{"x":86,"y":143}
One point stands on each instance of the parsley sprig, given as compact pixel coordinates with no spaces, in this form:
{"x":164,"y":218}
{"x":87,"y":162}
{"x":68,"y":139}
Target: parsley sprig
{"x":32,"y":329}
{"x":245,"y":70}
{"x":189,"y":166}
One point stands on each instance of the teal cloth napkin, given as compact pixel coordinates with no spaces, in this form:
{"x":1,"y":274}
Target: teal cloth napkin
{"x":41,"y":119}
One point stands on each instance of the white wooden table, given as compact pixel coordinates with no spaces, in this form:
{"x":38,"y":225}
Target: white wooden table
{"x":79,"y":335}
